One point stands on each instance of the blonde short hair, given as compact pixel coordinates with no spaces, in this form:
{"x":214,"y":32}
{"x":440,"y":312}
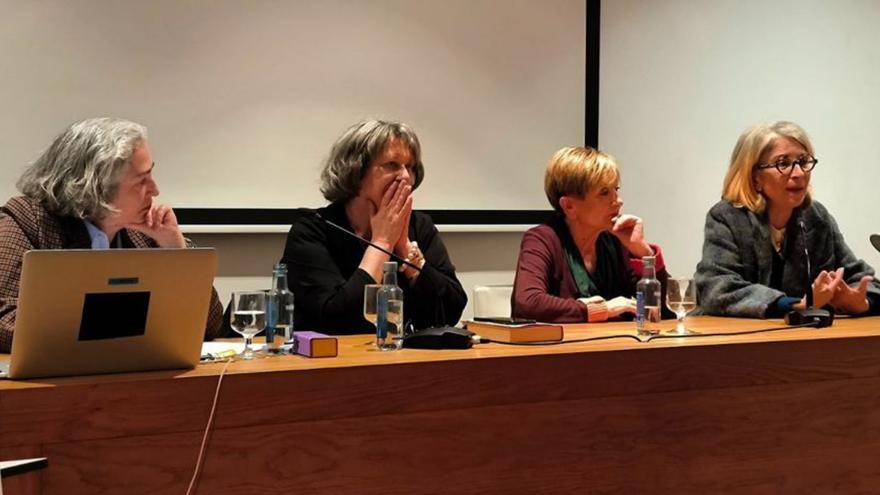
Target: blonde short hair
{"x":750,"y":151}
{"x":574,"y":171}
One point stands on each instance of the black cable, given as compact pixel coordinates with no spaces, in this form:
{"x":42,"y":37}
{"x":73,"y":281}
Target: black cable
{"x":558,"y":342}
{"x":368,"y":243}
{"x":744,"y":332}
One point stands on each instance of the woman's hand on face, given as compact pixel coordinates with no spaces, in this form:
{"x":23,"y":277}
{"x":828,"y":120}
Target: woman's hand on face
{"x":160,"y":224}
{"x":852,"y":300}
{"x":387,"y":221}
{"x":631,"y":231}
{"x":825,"y":286}
{"x":402,"y":247}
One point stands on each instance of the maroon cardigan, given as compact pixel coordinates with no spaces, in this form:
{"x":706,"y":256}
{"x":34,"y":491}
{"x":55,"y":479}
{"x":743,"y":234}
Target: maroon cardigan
{"x":544,"y":288}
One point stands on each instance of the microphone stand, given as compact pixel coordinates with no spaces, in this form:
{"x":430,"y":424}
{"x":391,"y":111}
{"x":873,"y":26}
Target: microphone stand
{"x":819,"y":317}
{"x":352,"y":234}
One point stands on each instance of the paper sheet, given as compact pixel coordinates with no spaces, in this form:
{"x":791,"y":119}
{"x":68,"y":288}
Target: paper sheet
{"x":215,"y":347}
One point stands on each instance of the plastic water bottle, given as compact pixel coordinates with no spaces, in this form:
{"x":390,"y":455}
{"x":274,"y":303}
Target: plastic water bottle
{"x":648,"y":300}
{"x":389,"y":310}
{"x":279,"y":319}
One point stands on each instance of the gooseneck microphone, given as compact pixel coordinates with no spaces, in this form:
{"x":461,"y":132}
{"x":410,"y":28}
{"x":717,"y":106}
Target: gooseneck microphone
{"x":365,"y":241}
{"x":809,"y":271}
{"x":818,"y":317}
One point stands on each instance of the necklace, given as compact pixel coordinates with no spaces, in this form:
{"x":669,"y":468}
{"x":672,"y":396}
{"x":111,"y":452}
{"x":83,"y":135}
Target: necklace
{"x":777,"y":236}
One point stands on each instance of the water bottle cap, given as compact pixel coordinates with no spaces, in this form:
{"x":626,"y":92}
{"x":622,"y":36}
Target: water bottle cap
{"x":648,"y":260}
{"x":389,"y":267}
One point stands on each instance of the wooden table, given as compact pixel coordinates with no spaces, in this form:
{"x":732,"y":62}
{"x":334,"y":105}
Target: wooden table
{"x":796,"y":411}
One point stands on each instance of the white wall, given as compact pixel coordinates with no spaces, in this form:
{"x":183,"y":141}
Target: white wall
{"x":243,"y":98}
{"x":681,"y":79}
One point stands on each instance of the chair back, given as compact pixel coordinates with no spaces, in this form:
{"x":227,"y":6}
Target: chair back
{"x":492,"y":301}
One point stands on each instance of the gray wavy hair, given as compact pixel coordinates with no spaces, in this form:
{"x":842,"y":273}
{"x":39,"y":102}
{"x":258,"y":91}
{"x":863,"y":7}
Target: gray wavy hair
{"x":78,"y":174}
{"x":353,"y":152}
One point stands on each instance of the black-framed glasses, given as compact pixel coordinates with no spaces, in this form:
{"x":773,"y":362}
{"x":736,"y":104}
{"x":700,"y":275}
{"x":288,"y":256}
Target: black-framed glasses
{"x":785,"y":165}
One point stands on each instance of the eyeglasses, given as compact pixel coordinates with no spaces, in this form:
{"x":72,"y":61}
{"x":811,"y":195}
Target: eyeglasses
{"x":785,"y":165}
{"x":396,"y":168}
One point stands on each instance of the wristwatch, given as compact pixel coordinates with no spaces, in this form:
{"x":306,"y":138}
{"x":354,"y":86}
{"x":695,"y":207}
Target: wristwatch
{"x":414,"y":256}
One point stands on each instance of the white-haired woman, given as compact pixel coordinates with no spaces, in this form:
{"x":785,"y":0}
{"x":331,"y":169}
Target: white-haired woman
{"x":757,"y":237}
{"x":369,"y":178}
{"x":92,"y":188}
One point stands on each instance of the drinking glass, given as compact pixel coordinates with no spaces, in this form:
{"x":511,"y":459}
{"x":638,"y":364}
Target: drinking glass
{"x":248,"y":317}
{"x":681,"y":298}
{"x":370,"y":304}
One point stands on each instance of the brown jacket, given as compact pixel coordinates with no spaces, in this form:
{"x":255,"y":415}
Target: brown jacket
{"x":24,"y":225}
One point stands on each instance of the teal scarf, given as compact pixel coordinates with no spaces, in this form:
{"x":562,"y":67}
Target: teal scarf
{"x":609,"y":279}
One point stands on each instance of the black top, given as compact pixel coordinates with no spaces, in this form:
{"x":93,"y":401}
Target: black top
{"x":328,"y":286}
{"x":611,"y":277}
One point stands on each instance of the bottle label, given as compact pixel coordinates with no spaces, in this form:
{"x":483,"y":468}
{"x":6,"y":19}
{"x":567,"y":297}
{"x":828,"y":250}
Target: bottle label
{"x":640,"y":309}
{"x":382,"y":316}
{"x":271,"y":318}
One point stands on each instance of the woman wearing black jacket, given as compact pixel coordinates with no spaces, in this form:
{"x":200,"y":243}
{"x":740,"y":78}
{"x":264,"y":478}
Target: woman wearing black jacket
{"x":369,"y":178}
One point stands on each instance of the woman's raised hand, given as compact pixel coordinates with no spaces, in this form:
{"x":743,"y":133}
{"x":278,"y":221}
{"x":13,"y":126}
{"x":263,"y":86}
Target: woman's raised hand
{"x":630,"y":229}
{"x":852,"y":300}
{"x":390,"y":219}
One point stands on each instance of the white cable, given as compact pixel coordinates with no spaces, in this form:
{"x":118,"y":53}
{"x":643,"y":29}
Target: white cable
{"x":195,"y":477}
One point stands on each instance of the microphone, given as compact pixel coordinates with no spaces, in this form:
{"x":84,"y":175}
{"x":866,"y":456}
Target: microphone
{"x":875,"y":241}
{"x":441,"y":338}
{"x":819,"y":317}
{"x":380,"y":248}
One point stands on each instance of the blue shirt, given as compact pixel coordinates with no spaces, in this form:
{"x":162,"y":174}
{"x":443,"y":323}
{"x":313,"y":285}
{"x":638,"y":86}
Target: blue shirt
{"x":99,"y":238}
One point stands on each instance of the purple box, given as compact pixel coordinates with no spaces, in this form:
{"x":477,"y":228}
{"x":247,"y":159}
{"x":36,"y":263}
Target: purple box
{"x":314,"y":344}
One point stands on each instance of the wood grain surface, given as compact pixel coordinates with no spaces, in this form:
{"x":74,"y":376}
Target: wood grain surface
{"x":793,"y":411}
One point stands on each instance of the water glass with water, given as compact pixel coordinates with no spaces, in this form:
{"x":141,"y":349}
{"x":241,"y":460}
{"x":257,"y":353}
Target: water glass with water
{"x":248,"y":317}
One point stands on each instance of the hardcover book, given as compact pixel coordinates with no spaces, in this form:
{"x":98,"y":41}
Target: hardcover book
{"x":516,"y":332}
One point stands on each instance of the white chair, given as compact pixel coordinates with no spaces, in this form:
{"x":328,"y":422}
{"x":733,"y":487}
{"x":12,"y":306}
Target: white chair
{"x":492,"y":301}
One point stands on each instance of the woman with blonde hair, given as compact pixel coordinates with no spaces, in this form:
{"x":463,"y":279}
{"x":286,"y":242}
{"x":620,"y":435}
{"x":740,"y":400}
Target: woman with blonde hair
{"x":584,"y":263}
{"x":767,"y":242}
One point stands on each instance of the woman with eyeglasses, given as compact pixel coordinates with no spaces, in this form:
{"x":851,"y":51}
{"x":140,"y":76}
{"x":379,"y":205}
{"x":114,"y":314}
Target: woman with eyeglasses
{"x":369,"y":179}
{"x":767,"y":242}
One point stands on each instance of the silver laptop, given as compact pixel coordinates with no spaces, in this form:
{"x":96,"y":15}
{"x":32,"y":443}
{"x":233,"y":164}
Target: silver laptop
{"x":105,"y":311}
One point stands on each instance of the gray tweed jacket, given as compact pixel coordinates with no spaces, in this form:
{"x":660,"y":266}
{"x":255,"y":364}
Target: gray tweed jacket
{"x":733,"y":277}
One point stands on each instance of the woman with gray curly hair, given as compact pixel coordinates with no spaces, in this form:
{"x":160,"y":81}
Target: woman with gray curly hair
{"x":92,"y":188}
{"x":369,"y":178}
